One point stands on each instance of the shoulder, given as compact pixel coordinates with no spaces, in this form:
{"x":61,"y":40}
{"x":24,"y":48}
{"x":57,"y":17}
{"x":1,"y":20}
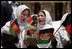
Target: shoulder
{"x":5,"y":28}
{"x":7,"y":24}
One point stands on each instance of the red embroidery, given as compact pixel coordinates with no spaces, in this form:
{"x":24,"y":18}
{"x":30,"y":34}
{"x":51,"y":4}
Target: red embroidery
{"x":31,"y":31}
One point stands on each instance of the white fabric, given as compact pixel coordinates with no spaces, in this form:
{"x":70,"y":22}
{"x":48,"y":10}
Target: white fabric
{"x":45,"y":45}
{"x":47,"y":25}
{"x":1,"y":47}
{"x":48,"y":20}
{"x":58,"y":38}
{"x":5,"y":28}
{"x":56,"y":25}
{"x":48,"y":17}
{"x":14,"y":7}
{"x":21,"y":25}
{"x":64,"y":34}
{"x":19,"y":10}
{"x":9,"y":2}
{"x":34,"y":15}
{"x":64,"y":17}
{"x":61,"y":35}
{"x":14,"y":14}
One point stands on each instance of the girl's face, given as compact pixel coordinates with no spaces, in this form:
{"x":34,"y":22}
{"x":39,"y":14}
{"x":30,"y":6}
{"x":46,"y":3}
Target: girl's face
{"x":24,"y":16}
{"x":34,"y":20}
{"x":41,"y":18}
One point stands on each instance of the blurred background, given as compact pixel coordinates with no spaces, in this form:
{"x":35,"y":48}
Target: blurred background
{"x":56,"y":8}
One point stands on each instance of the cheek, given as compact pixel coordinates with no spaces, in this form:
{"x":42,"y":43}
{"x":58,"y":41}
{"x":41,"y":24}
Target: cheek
{"x":22,"y":17}
{"x":43,"y":19}
{"x":40,"y":18}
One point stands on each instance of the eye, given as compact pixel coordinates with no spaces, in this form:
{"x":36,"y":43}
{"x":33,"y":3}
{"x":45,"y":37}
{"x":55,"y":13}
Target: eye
{"x":39,"y":15}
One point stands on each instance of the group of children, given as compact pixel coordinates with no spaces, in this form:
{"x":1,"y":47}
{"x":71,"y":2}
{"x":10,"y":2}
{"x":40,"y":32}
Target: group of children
{"x":42,"y":20}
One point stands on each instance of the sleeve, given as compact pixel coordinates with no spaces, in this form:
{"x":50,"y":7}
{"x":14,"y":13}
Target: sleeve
{"x":54,"y":43}
{"x":64,"y":35}
{"x":58,"y":39}
{"x":5,"y":28}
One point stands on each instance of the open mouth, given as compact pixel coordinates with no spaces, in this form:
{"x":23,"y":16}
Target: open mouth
{"x":23,"y":20}
{"x":40,"y":21}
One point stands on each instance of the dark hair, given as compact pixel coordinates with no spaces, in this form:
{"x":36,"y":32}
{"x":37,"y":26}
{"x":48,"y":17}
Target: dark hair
{"x":43,"y":13}
{"x":28,"y":10}
{"x":34,"y":17}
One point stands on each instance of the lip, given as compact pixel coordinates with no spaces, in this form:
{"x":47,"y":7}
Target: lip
{"x":40,"y":23}
{"x":23,"y":20}
{"x":40,"y":20}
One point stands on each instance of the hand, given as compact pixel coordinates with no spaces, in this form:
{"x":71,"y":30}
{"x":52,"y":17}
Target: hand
{"x":16,"y":33}
{"x":33,"y":42}
{"x":27,"y":42}
{"x":52,"y":37}
{"x":53,"y":40}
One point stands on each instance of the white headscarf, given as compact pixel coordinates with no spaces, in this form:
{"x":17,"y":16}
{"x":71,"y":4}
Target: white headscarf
{"x":64,"y":17}
{"x":47,"y":25}
{"x":34,"y":15}
{"x":48,"y":21}
{"x":48,"y":17}
{"x":18,"y":12}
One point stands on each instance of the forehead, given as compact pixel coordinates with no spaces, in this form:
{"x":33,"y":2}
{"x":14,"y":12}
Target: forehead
{"x":26,"y":10}
{"x":41,"y":13}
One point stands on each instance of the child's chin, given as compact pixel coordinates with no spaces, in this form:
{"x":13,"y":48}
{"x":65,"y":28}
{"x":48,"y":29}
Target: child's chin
{"x":23,"y":21}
